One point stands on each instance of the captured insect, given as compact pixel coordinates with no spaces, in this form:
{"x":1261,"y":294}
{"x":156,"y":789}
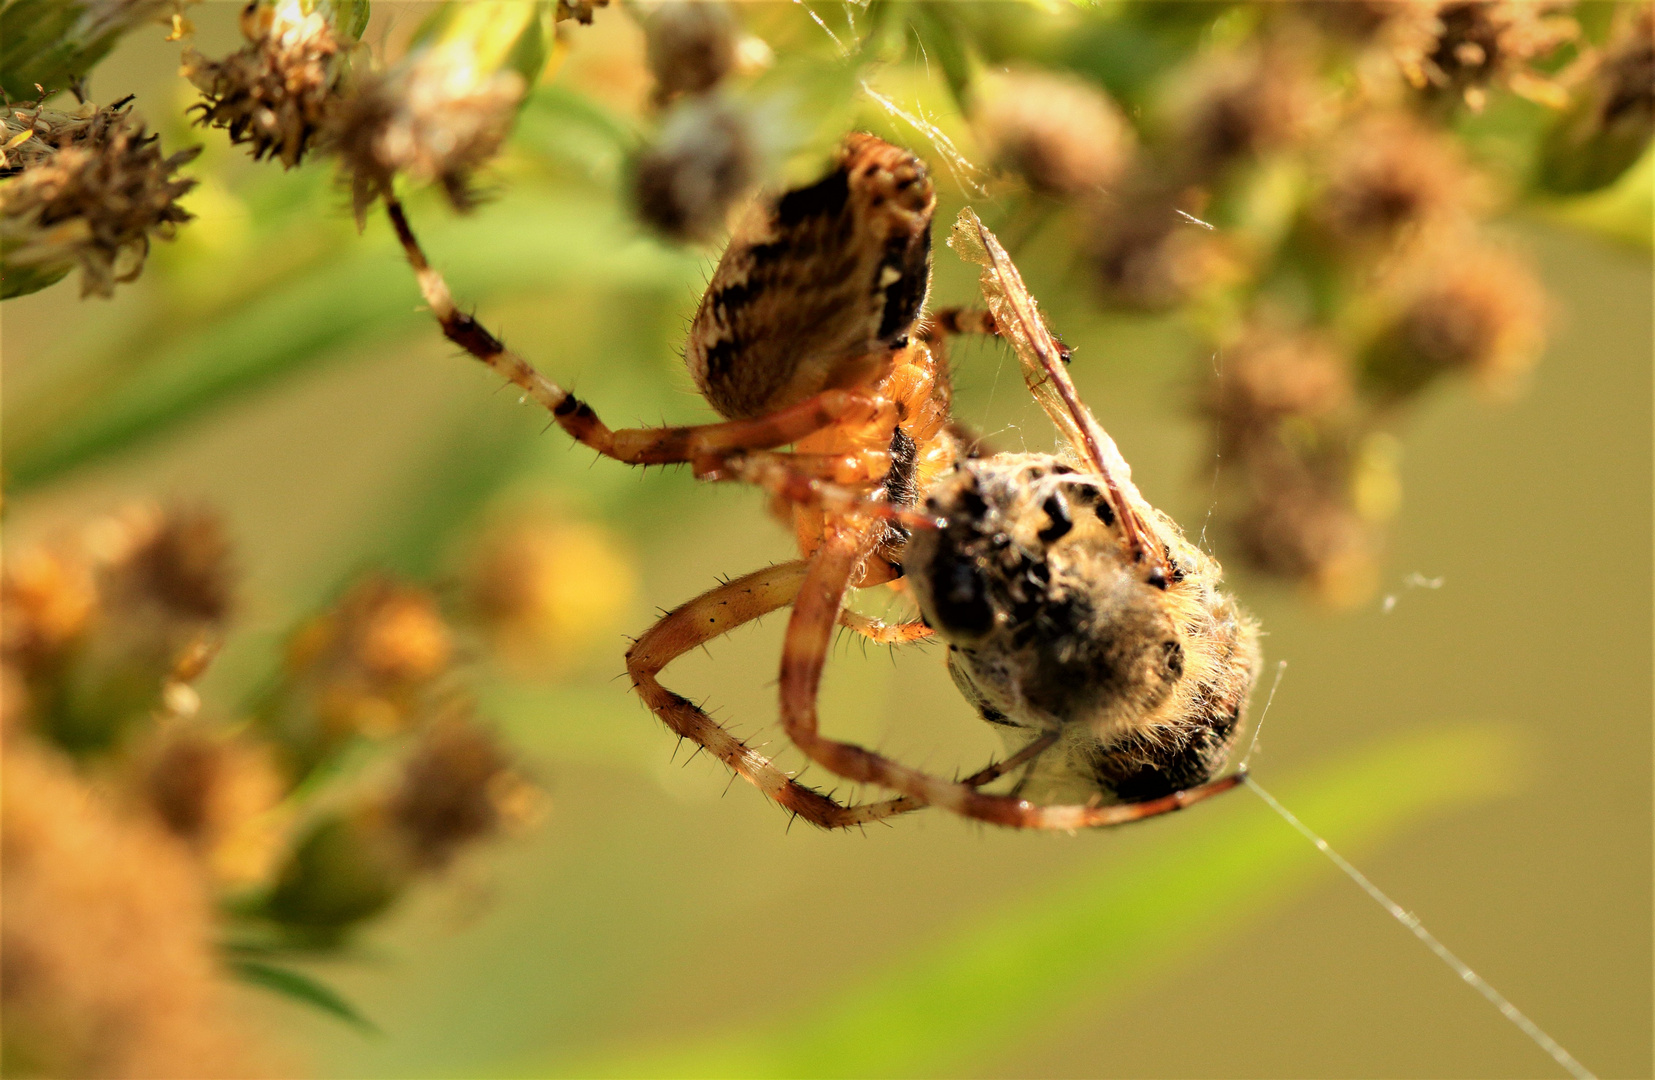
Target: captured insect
{"x":1078,"y":620}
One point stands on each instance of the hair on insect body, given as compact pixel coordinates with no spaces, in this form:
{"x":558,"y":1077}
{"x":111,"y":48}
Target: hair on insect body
{"x":1078,"y":620}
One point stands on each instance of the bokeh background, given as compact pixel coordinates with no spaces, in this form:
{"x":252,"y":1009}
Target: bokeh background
{"x":1480,"y":748}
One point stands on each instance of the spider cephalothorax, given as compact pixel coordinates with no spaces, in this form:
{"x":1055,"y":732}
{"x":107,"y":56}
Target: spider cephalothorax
{"x":1080,"y":622}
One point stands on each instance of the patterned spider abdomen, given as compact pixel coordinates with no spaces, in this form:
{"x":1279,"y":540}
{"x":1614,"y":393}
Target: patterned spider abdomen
{"x":818,"y":287}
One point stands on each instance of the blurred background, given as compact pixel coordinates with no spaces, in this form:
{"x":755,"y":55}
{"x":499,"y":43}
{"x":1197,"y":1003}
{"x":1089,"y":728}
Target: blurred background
{"x":1458,"y":581}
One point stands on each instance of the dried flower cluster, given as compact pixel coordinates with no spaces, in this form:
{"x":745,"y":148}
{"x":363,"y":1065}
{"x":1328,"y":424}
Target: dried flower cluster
{"x":1060,"y":133}
{"x":275,"y":94}
{"x":90,"y":193}
{"x":706,"y":154}
{"x":1462,"y":48}
{"x":105,"y":632}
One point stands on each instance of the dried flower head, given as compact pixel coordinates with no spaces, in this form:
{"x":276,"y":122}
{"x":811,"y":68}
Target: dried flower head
{"x":177,"y":560}
{"x":1476,"y":310}
{"x":458,"y":786}
{"x":275,"y":94}
{"x":434,"y":117}
{"x":703,"y":160}
{"x":1389,"y":179}
{"x":1269,"y":377}
{"x":690,"y":47}
{"x":47,"y":600}
{"x":1061,"y":133}
{"x":94,"y":203}
{"x":365,"y":665}
{"x":579,"y":10}
{"x":1611,"y":121}
{"x":1240,"y":105}
{"x":545,"y":590}
{"x":1301,"y":526}
{"x":214,"y":789}
{"x":107,"y":964}
{"x":1470,"y":45}
{"x":1146,"y":256}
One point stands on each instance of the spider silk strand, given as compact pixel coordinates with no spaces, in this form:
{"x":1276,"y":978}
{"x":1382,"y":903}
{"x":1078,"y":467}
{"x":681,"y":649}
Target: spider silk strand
{"x":1411,"y":921}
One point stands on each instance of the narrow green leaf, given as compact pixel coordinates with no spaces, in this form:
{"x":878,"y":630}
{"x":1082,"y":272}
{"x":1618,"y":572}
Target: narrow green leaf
{"x":984,"y":987}
{"x":303,"y":988}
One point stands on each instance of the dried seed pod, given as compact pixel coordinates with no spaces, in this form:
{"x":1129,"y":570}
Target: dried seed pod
{"x":47,"y":601}
{"x":274,"y":95}
{"x":1145,"y":255}
{"x":1301,"y":526}
{"x":1612,"y":119}
{"x":1270,"y":377}
{"x":1240,"y":105}
{"x":95,"y":203}
{"x":436,"y":117}
{"x":690,"y":47}
{"x":1479,"y":311}
{"x":1061,"y":133}
{"x":703,"y":160}
{"x":1388,"y":180}
{"x":458,"y":786}
{"x":1471,"y":45}
{"x":214,"y":789}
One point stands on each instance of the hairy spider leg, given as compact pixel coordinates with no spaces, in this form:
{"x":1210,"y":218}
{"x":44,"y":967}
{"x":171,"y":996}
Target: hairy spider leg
{"x":702,"y":445}
{"x":804,"y":652}
{"x":716,"y":613}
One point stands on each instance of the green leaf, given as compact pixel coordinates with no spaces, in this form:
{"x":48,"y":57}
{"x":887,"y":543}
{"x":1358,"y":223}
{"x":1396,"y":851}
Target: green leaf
{"x":980,"y":989}
{"x":366,"y":295}
{"x":302,"y":988}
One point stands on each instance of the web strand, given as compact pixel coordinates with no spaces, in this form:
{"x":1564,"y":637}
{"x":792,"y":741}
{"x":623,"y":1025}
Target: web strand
{"x":1411,"y":921}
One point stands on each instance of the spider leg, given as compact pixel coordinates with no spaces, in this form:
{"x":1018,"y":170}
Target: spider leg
{"x":884,"y":633}
{"x":955,"y":321}
{"x":636,"y":446}
{"x":711,"y":615}
{"x":816,"y":608}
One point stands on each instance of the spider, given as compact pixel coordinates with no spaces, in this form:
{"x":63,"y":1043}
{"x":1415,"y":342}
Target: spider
{"x":1078,"y":620}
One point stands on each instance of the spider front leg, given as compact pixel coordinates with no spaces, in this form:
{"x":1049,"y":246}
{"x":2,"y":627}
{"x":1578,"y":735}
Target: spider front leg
{"x":635,"y":446}
{"x":816,"y":609}
{"x":709,"y":616}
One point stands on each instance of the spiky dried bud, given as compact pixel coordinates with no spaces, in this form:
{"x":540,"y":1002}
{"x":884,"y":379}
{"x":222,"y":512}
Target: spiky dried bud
{"x":179,"y":561}
{"x":690,"y":47}
{"x":434,"y":118}
{"x":1479,"y":311}
{"x":1612,"y":119}
{"x":275,"y":94}
{"x":705,"y":157}
{"x":1269,"y":378}
{"x":1061,"y":133}
{"x":55,"y":43}
{"x":545,"y":589}
{"x":1388,"y":180}
{"x":458,"y":786}
{"x":215,"y":790}
{"x":1471,"y":45}
{"x":365,"y":666}
{"x":1240,"y":105}
{"x":93,"y":203}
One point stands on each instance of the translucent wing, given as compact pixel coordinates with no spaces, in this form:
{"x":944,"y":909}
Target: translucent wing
{"x":1017,"y":316}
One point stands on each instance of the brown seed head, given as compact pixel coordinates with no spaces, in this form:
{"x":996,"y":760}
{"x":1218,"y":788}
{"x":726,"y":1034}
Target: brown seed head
{"x":690,"y":47}
{"x":1302,"y":528}
{"x":1146,"y":256}
{"x":1241,"y":105}
{"x":434,"y":117}
{"x":47,"y":600}
{"x":182,"y":564}
{"x":1270,"y":377}
{"x":703,"y":160}
{"x":1471,"y":45}
{"x":93,"y":203}
{"x":275,"y":94}
{"x":1061,"y":133}
{"x":1389,"y":179}
{"x":458,"y":786}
